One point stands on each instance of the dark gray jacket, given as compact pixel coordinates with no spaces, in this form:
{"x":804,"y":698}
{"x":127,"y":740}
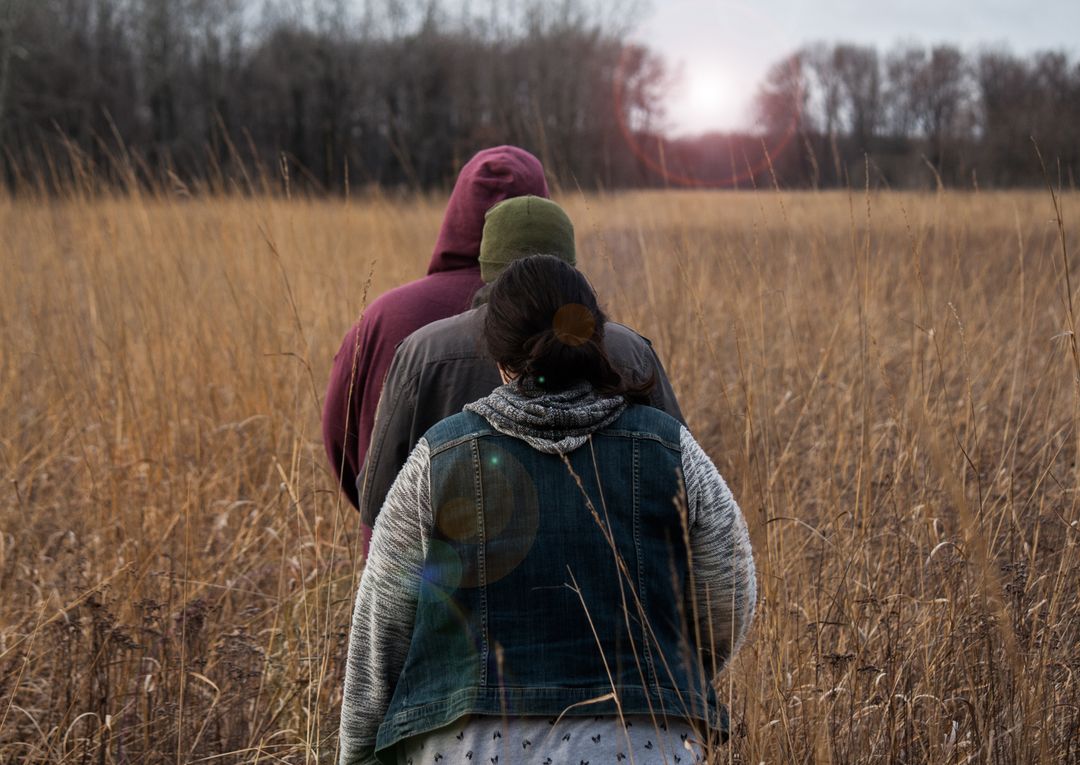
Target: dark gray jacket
{"x":440,"y":368}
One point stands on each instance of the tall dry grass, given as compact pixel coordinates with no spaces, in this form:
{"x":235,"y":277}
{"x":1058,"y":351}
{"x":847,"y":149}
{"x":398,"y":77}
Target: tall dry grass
{"x":888,"y":382}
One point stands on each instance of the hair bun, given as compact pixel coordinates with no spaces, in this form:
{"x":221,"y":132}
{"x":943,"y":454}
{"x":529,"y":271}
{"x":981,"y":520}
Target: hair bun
{"x":541,"y":345}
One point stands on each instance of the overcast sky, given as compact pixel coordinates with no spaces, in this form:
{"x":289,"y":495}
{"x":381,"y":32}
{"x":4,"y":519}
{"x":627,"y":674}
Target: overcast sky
{"x":724,"y":48}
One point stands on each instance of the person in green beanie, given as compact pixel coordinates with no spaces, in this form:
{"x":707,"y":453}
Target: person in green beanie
{"x":443,"y":366}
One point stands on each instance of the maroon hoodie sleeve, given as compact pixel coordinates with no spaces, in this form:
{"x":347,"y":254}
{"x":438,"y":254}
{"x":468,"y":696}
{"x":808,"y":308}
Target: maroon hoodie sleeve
{"x":340,"y":416}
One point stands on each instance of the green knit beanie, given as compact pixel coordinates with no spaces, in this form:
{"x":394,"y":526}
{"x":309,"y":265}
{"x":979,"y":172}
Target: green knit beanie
{"x":522,"y":226}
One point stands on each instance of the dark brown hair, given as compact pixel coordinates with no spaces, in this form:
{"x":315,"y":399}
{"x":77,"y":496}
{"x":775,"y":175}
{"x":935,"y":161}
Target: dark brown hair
{"x":545,"y":324}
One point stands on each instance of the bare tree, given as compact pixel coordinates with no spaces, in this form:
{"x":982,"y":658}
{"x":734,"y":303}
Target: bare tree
{"x":783,"y":97}
{"x":943,"y":96}
{"x":1004,"y":92}
{"x":10,"y":10}
{"x":904,"y":67}
{"x":859,"y":73}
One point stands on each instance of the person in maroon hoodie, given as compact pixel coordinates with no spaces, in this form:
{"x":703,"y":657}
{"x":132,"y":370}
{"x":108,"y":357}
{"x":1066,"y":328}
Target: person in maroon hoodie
{"x":453,"y":276}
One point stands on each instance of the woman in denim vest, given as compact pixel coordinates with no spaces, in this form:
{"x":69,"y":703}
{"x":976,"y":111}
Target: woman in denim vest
{"x":558,"y":574}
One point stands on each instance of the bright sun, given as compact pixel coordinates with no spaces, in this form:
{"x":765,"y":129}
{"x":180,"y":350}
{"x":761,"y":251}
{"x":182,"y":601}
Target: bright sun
{"x":707,"y":102}
{"x":706,"y":99}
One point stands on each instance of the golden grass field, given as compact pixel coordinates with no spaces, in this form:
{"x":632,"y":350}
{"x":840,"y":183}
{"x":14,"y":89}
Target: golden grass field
{"x":888,"y":382}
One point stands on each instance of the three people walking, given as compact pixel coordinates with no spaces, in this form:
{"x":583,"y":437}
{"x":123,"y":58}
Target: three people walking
{"x":558,"y":572}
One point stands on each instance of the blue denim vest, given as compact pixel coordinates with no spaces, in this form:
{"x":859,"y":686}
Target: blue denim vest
{"x":524,"y":606}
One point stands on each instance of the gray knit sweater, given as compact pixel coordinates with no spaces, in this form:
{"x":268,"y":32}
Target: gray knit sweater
{"x":722,"y":562}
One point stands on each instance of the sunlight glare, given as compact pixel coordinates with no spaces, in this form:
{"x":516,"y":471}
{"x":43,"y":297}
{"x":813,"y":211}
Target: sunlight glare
{"x":708,"y":101}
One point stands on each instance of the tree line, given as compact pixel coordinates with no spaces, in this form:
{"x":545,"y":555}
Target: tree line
{"x":328,"y":95}
{"x":920,"y":115}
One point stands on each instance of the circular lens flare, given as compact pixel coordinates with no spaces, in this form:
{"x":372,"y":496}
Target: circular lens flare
{"x":574,"y":324}
{"x":706,"y":91}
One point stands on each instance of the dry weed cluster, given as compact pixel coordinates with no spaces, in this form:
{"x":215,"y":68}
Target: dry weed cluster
{"x":887,"y":381}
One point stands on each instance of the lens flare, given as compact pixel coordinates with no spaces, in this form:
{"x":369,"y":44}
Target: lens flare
{"x":574,"y":324}
{"x":649,"y":148}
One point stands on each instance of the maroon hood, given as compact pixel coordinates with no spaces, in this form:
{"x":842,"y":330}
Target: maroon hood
{"x":490,"y":177}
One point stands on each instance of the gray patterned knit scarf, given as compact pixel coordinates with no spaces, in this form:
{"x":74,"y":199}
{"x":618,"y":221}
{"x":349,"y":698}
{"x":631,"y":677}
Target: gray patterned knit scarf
{"x":555,"y":423}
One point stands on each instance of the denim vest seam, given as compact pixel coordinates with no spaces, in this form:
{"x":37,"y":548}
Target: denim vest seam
{"x":619,"y":433}
{"x":642,"y":593}
{"x":481,"y":567}
{"x":456,"y":441}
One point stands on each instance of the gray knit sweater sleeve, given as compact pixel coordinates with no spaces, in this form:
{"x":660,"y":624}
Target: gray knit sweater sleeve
{"x":386,"y":607}
{"x":725,"y":583}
